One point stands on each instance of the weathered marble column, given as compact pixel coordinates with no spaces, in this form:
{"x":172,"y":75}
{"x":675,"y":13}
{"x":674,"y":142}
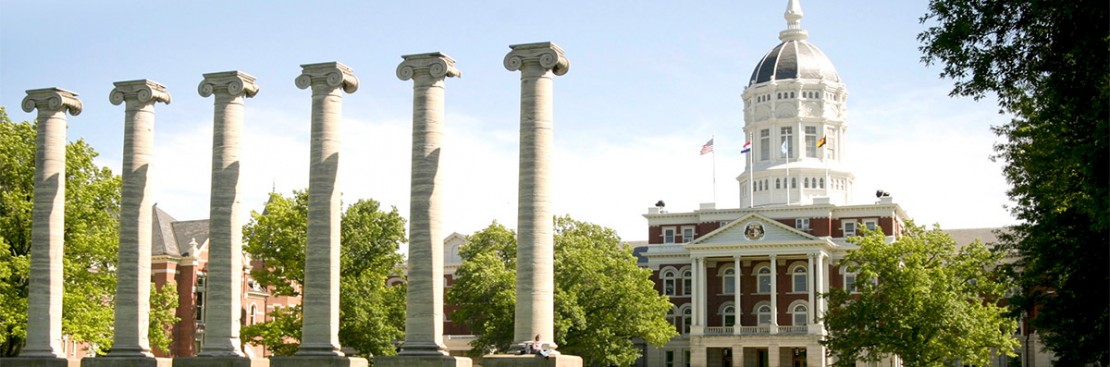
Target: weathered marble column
{"x":44,"y":307}
{"x":132,"y":314}
{"x":222,"y":345}
{"x":538,"y":64}
{"x":423,"y":344}
{"x":320,"y":333}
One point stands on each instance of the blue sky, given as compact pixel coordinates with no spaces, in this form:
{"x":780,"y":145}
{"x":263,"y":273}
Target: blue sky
{"x":650,"y":82}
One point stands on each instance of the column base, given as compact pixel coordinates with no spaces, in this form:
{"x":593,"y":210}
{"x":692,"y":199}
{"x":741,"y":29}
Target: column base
{"x":130,"y":361}
{"x":422,"y":361}
{"x":221,"y":361}
{"x":40,"y":362}
{"x":514,"y":360}
{"x":318,"y":361}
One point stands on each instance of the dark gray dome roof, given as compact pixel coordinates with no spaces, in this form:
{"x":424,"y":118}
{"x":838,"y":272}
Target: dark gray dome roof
{"x":794,"y":59}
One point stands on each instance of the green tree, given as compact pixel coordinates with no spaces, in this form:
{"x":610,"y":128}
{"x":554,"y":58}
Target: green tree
{"x":603,"y":300}
{"x":163,"y":307}
{"x":923,"y":299}
{"x":91,"y":238}
{"x":1048,"y":62}
{"x":372,"y":315}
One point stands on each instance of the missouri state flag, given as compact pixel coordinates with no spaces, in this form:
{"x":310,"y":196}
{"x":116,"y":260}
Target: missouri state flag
{"x":747,"y":148}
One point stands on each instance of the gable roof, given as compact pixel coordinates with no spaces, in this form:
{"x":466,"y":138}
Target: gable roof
{"x":163,"y":242}
{"x":735,"y":233}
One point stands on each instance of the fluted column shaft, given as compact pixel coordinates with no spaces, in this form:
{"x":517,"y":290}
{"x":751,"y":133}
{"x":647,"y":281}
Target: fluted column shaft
{"x":424,"y":319}
{"x":225,"y":247}
{"x":320,"y":332}
{"x":538,"y":63}
{"x":44,"y":307}
{"x":132,"y":313}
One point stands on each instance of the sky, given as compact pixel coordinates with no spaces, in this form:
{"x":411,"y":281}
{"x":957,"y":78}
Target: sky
{"x":650,"y":82}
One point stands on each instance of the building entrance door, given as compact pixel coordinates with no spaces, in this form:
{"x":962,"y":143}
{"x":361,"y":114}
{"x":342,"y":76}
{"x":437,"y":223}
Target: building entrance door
{"x":799,"y":359}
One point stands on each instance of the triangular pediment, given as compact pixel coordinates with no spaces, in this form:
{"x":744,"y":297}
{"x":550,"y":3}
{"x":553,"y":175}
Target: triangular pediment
{"x":754,"y":229}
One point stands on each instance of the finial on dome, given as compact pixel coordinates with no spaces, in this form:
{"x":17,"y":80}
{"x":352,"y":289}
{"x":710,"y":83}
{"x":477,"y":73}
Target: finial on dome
{"x":793,"y":17}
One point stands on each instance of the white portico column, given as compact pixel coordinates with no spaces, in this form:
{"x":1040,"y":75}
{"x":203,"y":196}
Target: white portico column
{"x":695,"y":296}
{"x":811,"y":290}
{"x":538,"y":63}
{"x":774,"y":295}
{"x":132,"y":314}
{"x":736,"y":309}
{"x":44,"y":304}
{"x":320,"y":332}
{"x":823,"y":285}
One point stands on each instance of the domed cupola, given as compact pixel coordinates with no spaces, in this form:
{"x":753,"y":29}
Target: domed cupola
{"x":794,"y":116}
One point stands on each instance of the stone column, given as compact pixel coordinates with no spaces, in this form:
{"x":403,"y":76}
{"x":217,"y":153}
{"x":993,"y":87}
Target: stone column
{"x":320,"y":333}
{"x":774,"y":355}
{"x":823,"y":286}
{"x":695,"y":298}
{"x":132,"y":314}
{"x":538,"y":63}
{"x":423,"y":344}
{"x":44,"y":304}
{"x":737,"y":310}
{"x":737,"y":356}
{"x":774,"y":295}
{"x":811,"y":290}
{"x":223,"y":309}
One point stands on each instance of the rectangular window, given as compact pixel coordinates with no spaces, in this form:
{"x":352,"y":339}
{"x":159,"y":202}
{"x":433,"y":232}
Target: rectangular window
{"x":687,"y":234}
{"x":668,"y":358}
{"x":201,"y":290}
{"x":801,"y":224}
{"x":801,"y":282}
{"x":811,"y":141}
{"x":849,"y":229}
{"x":830,"y":143}
{"x":786,"y":141}
{"x":871,"y":224}
{"x":850,"y":282}
{"x":764,"y":144}
{"x":764,"y":283}
{"x":668,"y":235}
{"x":800,"y":319}
{"x":686,"y":357}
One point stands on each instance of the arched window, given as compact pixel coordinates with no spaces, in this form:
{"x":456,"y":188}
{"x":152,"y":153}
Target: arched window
{"x":674,"y":318}
{"x":763,"y":313}
{"x":806,"y":183}
{"x":799,"y":314}
{"x":728,"y":280}
{"x":777,"y":185}
{"x":687,"y":319}
{"x":822,"y":183}
{"x":251,"y":316}
{"x":728,"y":314}
{"x":687,"y":282}
{"x":800,"y":277}
{"x":764,"y":277}
{"x":669,"y":276}
{"x":793,"y":182}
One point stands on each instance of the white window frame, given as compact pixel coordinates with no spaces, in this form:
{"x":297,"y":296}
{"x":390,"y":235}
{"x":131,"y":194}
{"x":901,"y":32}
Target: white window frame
{"x":802,"y":224}
{"x":686,"y":316}
{"x":669,"y":239}
{"x":765,"y":144}
{"x":850,"y":280}
{"x":802,"y":315}
{"x":669,"y":276}
{"x":726,"y":311}
{"x":849,"y":223}
{"x":786,"y":134}
{"x":728,"y":279}
{"x":691,"y":230}
{"x":759,"y":276}
{"x":761,"y":314}
{"x":687,"y":281}
{"x":871,"y":224}
{"x":794,"y":276}
{"x":811,"y":141}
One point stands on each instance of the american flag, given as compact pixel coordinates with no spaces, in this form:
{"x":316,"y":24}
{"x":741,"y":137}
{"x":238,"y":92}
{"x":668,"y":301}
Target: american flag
{"x":708,"y":147}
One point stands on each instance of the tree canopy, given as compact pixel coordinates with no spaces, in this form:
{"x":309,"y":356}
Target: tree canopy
{"x":372,"y":315}
{"x":1048,"y":62}
{"x":91,"y":242}
{"x":603,"y":300}
{"x":923,"y":299}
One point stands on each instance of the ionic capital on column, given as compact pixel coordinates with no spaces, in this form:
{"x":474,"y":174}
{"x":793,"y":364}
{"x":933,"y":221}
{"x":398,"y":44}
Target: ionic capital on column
{"x":143,"y":91}
{"x":547,"y":55}
{"x":235,"y":83}
{"x":435,"y":64}
{"x":52,"y":100}
{"x":327,"y":74}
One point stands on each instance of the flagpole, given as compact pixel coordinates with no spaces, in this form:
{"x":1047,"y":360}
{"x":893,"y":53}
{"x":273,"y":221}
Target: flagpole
{"x":751,"y":174}
{"x":714,"y":139}
{"x":786,"y":144}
